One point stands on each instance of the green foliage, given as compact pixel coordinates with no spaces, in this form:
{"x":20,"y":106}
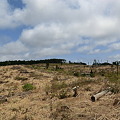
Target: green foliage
{"x":113,"y":77}
{"x":28,"y":87}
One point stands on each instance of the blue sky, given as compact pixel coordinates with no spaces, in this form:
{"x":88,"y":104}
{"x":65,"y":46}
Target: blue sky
{"x":76,"y":30}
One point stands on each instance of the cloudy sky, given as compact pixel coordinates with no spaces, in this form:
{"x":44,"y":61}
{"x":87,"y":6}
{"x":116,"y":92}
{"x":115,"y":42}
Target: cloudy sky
{"x":76,"y":30}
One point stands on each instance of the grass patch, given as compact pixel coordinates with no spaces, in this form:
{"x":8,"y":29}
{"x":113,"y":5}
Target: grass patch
{"x":28,"y":87}
{"x":113,"y":77}
{"x":80,"y":82}
{"x":58,"y":86}
{"x":56,"y":89}
{"x":36,"y":75}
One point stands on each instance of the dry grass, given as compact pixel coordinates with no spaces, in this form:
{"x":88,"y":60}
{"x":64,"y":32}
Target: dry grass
{"x":53,"y":97}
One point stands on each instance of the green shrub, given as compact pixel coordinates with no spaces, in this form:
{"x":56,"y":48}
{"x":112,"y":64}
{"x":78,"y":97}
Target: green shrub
{"x":28,"y":87}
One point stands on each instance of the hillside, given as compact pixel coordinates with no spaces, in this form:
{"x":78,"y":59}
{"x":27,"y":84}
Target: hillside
{"x":32,"y":92}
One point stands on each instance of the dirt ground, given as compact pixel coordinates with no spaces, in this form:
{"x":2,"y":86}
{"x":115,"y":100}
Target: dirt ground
{"x":43,"y":103}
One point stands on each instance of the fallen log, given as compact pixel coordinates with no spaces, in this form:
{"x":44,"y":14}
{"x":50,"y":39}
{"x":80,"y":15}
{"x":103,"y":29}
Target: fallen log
{"x":98,"y":95}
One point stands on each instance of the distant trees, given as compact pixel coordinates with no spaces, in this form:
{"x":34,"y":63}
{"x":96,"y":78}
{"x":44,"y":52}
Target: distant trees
{"x":98,"y":63}
{"x":47,"y":61}
{"x":30,"y":62}
{"x":79,"y":63}
{"x":116,"y":63}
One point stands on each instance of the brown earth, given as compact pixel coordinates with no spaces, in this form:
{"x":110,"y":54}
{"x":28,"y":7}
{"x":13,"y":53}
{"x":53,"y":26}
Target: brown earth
{"x":51,"y":100}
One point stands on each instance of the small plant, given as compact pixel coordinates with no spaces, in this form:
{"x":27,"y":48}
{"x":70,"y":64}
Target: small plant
{"x":77,"y":74}
{"x":47,"y":65}
{"x":92,"y":74}
{"x":28,"y":87}
{"x":56,"y":67}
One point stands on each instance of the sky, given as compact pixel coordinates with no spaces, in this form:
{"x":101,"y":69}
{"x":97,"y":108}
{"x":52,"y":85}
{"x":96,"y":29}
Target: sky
{"x":75,"y":30}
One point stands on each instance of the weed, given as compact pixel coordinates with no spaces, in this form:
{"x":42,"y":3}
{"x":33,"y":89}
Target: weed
{"x":77,"y":74}
{"x":28,"y":87}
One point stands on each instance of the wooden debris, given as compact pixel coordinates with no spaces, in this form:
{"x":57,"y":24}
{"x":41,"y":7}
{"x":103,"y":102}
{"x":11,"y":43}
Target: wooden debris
{"x":116,"y":102}
{"x":3,"y":99}
{"x":98,"y":95}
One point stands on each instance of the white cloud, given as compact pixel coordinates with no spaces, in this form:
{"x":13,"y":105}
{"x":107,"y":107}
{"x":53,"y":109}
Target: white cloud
{"x":6,"y":16}
{"x":115,"y":57}
{"x":57,"y":27}
{"x":13,"y":48}
{"x":43,"y":36}
{"x":115,"y":46}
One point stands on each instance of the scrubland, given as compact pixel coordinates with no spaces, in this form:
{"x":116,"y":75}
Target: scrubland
{"x":34,"y":92}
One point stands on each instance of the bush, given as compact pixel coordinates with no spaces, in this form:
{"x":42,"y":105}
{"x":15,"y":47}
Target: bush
{"x":92,"y":74}
{"x":28,"y":87}
{"x":77,"y":74}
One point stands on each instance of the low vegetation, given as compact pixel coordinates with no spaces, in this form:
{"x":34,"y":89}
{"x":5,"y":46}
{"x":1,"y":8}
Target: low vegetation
{"x":59,"y":92}
{"x":28,"y":87}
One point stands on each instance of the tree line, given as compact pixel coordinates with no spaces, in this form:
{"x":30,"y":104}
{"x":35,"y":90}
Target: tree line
{"x":61,"y":61}
{"x":30,"y":62}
